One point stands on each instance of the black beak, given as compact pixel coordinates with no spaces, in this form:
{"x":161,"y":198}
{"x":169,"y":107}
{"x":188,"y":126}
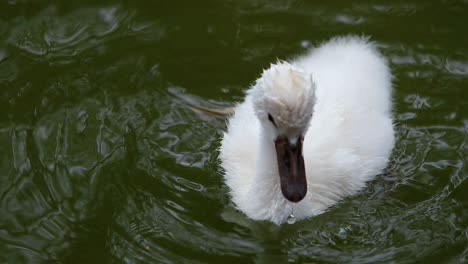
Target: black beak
{"x":291,"y":168}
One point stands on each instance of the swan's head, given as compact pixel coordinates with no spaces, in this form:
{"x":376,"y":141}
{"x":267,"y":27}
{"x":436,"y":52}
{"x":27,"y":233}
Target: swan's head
{"x":284,"y":98}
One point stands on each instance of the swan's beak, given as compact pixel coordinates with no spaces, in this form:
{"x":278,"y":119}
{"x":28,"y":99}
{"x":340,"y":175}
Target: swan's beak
{"x":291,"y":168}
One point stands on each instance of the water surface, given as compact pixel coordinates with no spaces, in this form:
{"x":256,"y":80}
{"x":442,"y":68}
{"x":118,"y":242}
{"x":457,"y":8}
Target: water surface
{"x":101,"y":160}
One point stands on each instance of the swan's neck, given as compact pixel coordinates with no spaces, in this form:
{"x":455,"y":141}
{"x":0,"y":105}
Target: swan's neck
{"x":265,"y":194}
{"x":267,"y":166}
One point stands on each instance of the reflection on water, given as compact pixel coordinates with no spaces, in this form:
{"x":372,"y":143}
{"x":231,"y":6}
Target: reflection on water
{"x":102,"y":161}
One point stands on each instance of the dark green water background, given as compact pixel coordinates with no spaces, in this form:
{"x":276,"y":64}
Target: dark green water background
{"x":101,"y":161}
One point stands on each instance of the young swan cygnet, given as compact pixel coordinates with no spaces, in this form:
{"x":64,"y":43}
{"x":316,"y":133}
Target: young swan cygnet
{"x":310,"y":133}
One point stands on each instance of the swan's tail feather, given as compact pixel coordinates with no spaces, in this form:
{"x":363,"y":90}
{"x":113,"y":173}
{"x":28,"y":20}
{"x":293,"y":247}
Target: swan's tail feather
{"x":214,"y":112}
{"x":194,"y":103}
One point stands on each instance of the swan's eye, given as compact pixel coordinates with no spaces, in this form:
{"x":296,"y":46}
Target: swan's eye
{"x":271,"y":119}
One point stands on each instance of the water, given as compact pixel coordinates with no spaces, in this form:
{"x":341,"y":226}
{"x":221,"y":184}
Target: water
{"x":291,"y":219}
{"x":101,"y":161}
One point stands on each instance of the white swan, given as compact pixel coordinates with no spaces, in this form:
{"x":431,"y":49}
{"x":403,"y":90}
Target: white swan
{"x":310,"y":132}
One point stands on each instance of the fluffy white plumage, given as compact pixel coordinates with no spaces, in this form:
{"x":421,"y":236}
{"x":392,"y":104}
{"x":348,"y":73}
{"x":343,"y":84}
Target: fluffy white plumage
{"x":339,"y":97}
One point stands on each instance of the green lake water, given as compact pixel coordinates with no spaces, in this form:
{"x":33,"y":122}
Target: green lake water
{"x":102,"y":162}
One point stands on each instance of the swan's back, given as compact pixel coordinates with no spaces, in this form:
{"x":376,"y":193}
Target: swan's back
{"x":350,"y":71}
{"x":351,"y":133}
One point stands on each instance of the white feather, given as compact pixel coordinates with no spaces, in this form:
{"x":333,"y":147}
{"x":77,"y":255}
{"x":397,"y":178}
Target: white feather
{"x":339,"y":96}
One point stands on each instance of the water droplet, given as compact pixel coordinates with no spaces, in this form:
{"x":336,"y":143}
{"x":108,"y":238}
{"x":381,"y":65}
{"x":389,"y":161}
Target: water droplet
{"x":291,"y":219}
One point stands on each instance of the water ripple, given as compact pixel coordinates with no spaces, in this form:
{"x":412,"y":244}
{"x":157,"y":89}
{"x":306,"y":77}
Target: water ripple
{"x":57,"y":37}
{"x":102,"y":160}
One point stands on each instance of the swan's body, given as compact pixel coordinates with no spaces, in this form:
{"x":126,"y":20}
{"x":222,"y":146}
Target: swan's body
{"x":338,"y":97}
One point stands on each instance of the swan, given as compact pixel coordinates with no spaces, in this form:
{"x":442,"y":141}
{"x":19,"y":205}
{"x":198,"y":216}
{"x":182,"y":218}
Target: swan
{"x":310,"y":131}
